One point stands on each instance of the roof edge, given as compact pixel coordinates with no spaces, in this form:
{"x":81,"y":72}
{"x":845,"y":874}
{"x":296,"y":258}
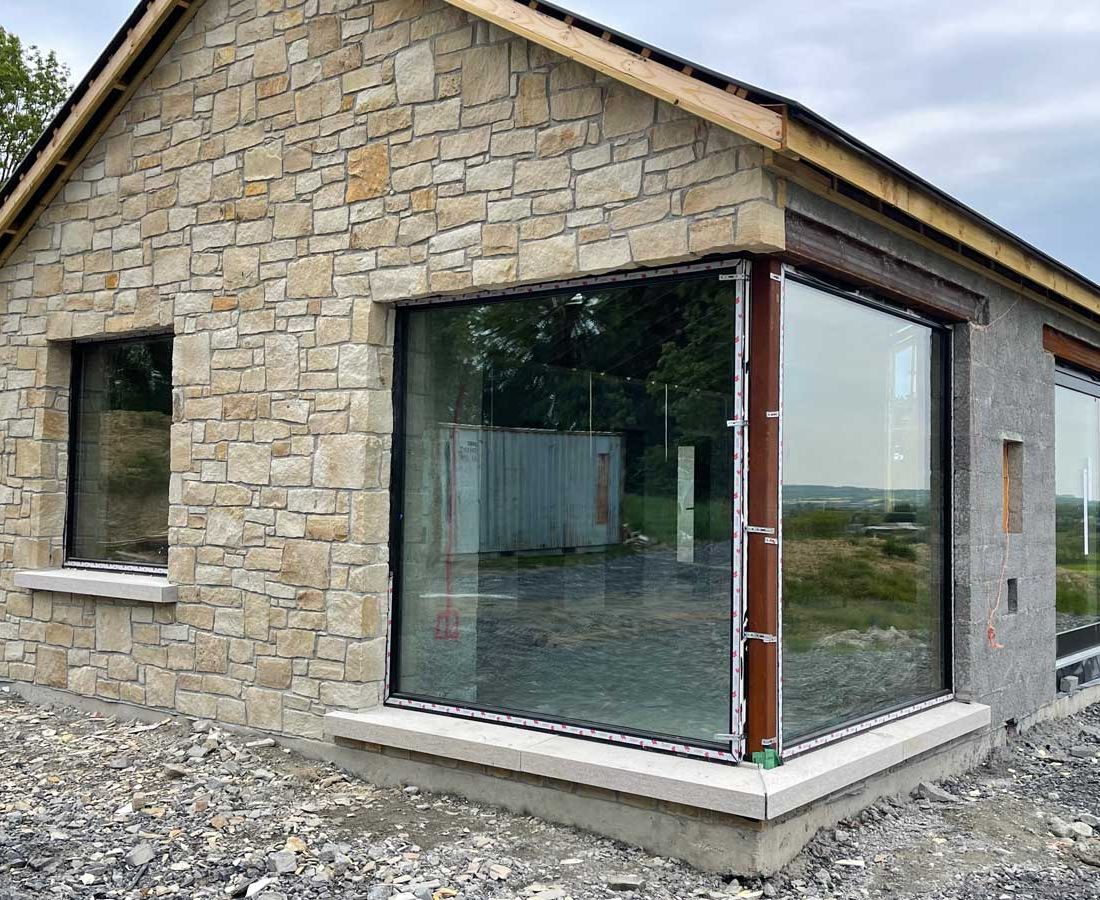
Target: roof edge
{"x":791,"y":130}
{"x":805,"y":135}
{"x":87,"y":113}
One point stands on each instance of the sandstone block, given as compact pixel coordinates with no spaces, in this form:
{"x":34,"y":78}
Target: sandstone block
{"x":340,"y":461}
{"x":250,"y":463}
{"x":546,"y":259}
{"x":487,"y":74}
{"x":368,"y":172}
{"x":310,"y":276}
{"x":305,"y":563}
{"x":610,"y":184}
{"x":658,"y":243}
{"x":112,"y":628}
{"x":626,"y":110}
{"x":51,"y":667}
{"x":414,"y":73}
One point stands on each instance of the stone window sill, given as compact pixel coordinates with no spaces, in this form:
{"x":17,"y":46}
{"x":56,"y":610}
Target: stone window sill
{"x":745,"y":790}
{"x":99,"y":583}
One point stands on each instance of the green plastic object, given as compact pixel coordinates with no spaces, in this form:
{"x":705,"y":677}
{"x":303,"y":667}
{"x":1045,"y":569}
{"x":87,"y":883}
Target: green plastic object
{"x":767,"y":759}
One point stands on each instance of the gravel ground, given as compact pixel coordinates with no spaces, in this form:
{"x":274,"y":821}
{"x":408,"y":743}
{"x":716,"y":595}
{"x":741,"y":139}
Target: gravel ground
{"x":101,"y":807}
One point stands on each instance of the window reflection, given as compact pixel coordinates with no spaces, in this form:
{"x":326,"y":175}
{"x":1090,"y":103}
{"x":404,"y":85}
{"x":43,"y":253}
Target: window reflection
{"x":565,"y":547}
{"x":1077,"y":513}
{"x":862,"y":511}
{"x":120,"y":442}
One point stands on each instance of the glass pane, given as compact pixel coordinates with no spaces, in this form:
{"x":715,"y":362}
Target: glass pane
{"x":121,"y":445}
{"x":566,"y":548}
{"x":862,"y":511}
{"x":1077,"y":510}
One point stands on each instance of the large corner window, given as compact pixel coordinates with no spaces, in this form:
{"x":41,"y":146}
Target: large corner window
{"x":119,"y":454}
{"x":1076,"y":517}
{"x":564,"y":549}
{"x":863,"y":468}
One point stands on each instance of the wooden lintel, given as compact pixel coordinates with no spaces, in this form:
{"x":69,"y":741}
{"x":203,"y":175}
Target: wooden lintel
{"x":826,"y":250}
{"x":1072,"y":350}
{"x":697,"y":97}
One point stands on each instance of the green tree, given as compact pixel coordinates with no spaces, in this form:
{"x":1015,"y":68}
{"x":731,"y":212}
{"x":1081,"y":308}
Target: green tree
{"x":32,"y":86}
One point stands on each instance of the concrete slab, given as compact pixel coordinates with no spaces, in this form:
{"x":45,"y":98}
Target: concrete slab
{"x":99,"y":583}
{"x":817,"y":774}
{"x":745,"y":790}
{"x":449,"y":737}
{"x":721,"y":787}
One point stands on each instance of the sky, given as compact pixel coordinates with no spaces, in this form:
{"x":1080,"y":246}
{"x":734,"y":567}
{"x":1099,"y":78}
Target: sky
{"x":995,"y":101}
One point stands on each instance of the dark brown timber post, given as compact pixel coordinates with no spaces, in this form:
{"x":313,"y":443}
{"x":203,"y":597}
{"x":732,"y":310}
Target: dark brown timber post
{"x":762,"y":663}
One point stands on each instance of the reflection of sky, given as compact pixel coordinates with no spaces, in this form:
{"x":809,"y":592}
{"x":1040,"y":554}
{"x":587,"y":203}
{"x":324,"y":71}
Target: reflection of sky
{"x":1076,"y":443}
{"x":856,"y":406}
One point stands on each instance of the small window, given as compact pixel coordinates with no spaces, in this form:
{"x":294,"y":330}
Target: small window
{"x":1012,"y":478}
{"x":119,"y":454}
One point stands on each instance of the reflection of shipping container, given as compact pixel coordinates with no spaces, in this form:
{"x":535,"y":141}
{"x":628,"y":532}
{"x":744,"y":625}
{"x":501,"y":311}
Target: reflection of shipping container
{"x":525,"y":489}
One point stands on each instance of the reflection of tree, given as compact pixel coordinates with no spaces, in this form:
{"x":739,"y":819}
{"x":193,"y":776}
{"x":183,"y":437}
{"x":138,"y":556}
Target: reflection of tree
{"x":563,"y":361}
{"x":140,"y":376}
{"x":647,"y":362}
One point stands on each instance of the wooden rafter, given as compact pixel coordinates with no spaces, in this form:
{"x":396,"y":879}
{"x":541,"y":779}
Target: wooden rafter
{"x":776,"y":129}
{"x":704,"y":100}
{"x":101,"y":101}
{"x":804,"y":142}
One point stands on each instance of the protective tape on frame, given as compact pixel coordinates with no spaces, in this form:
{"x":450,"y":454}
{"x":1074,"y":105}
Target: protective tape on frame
{"x":597,"y":734}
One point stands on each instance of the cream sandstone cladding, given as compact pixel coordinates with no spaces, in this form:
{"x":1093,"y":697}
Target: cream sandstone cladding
{"x":287,"y":170}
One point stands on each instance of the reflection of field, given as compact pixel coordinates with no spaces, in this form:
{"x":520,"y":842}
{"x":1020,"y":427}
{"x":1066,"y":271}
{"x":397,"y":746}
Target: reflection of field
{"x":854,"y":583}
{"x":1076,"y":572}
{"x":1077,"y":602}
{"x":860,"y":628}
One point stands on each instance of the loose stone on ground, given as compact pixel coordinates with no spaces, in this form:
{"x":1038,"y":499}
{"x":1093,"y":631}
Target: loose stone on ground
{"x":97,"y":807}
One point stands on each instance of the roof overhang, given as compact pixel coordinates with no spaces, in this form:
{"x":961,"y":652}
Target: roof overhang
{"x":143,"y":39}
{"x":798,"y":137}
{"x":805,"y":147}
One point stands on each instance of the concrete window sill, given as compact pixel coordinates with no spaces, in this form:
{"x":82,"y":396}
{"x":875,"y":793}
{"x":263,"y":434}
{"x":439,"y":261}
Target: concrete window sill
{"x":98,"y":583}
{"x":745,"y":790}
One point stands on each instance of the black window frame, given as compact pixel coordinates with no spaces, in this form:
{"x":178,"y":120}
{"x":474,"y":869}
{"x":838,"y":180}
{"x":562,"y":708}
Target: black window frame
{"x":943,"y":333}
{"x":1080,"y":641}
{"x":76,"y":352}
{"x":576,"y":728}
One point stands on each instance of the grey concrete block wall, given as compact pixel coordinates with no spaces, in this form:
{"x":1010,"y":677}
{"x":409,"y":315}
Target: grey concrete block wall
{"x":1002,"y":388}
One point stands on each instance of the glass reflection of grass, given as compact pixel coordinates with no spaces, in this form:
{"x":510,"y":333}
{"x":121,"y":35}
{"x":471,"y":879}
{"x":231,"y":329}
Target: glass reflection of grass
{"x":854,"y":584}
{"x":655,"y":517}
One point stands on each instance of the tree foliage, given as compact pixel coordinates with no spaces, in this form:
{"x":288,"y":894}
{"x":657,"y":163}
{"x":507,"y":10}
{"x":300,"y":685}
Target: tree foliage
{"x":32,"y":86}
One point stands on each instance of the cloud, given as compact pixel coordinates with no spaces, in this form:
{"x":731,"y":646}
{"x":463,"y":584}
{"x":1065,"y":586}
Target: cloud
{"x":995,"y":101}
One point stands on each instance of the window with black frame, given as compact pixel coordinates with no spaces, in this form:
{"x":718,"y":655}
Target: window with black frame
{"x":565,"y":486}
{"x":119,"y":462}
{"x":1076,"y":528}
{"x":864,"y":526}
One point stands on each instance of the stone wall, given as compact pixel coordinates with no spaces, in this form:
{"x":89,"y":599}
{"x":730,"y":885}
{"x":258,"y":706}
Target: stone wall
{"x":289,"y":169}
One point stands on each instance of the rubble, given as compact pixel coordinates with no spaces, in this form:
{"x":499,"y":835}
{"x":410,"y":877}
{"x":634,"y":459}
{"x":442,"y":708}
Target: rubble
{"x":101,"y":807}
